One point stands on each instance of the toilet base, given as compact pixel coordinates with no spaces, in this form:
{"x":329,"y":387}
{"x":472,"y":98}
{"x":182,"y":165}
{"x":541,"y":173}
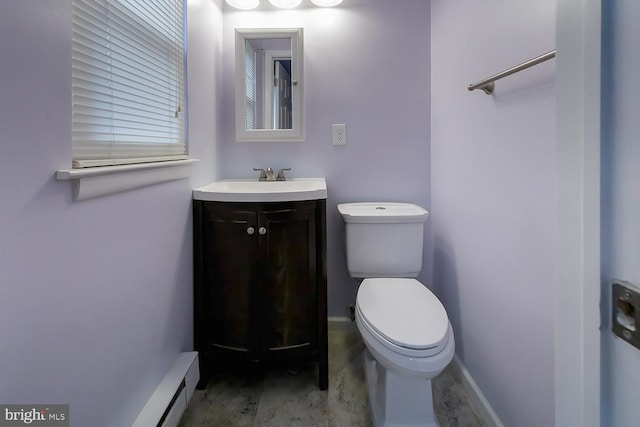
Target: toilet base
{"x":395,"y":400}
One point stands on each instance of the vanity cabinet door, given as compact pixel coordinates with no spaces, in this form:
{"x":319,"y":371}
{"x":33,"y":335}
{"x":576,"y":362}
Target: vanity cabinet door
{"x":230,"y":275}
{"x":288,"y":280}
{"x":260,"y":284}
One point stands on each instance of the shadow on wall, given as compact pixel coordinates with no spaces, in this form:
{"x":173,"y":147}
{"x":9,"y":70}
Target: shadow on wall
{"x":445,"y":285}
{"x":511,"y":93}
{"x":342,"y":288}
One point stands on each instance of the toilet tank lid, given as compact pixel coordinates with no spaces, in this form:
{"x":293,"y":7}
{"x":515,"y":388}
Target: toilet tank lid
{"x":382,"y":212}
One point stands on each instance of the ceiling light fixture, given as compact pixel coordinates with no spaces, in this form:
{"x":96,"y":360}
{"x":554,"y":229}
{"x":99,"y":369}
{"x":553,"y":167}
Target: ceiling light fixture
{"x":285,"y":4}
{"x":326,"y":3}
{"x":243,"y":4}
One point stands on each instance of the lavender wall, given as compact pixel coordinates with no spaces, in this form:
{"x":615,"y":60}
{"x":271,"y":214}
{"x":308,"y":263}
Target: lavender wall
{"x":493,"y":198}
{"x":366,"y":65}
{"x":95,"y":297}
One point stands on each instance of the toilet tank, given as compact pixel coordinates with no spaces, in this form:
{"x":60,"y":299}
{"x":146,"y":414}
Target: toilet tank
{"x":383,"y":239}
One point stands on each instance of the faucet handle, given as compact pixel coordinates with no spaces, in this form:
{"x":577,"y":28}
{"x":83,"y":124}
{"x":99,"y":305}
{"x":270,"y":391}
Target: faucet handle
{"x":281,"y":176}
{"x":263,"y":174}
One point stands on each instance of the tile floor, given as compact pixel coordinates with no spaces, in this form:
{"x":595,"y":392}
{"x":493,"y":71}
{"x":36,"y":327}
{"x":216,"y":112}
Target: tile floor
{"x":290,"y":397}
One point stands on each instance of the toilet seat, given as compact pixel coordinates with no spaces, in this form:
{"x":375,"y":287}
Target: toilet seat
{"x":403,"y":315}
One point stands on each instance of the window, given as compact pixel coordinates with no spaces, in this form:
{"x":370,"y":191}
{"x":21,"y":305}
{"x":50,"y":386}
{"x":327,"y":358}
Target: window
{"x":128,"y":82}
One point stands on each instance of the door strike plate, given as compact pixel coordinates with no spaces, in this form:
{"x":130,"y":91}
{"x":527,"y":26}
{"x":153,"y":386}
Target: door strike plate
{"x":625,"y":312}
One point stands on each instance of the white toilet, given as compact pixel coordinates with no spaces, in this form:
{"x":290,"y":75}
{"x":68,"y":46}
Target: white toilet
{"x":404,"y":326}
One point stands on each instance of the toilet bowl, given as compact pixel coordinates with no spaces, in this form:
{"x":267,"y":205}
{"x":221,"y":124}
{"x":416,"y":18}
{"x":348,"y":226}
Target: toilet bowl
{"x":405,"y":328}
{"x":409,"y":341}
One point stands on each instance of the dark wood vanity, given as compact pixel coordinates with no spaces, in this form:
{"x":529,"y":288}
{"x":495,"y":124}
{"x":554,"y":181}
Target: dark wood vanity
{"x":260,"y":285}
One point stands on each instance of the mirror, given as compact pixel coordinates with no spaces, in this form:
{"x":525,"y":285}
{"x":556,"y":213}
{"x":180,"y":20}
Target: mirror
{"x":268,"y":84}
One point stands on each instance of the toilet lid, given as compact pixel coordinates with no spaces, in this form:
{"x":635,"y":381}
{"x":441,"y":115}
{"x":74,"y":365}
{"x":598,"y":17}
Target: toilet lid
{"x":404,"y":312}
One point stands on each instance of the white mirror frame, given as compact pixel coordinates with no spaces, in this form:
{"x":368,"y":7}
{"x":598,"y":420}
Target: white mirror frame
{"x":296,"y":133}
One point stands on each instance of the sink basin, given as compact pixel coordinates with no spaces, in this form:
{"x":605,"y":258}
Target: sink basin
{"x":252,"y":190}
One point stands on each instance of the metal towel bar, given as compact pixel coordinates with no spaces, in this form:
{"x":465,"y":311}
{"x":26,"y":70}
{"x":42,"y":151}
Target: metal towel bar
{"x":488,"y":85}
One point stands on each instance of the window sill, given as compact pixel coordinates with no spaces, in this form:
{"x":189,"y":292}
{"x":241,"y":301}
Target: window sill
{"x":101,"y":181}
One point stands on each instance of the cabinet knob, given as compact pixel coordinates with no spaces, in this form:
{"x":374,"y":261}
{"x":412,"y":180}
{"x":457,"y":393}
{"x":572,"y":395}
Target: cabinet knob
{"x":251,"y":230}
{"x":262,"y":231}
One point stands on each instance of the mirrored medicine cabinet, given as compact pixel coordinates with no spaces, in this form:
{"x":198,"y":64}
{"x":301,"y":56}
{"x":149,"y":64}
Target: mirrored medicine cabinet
{"x":269,"y":85}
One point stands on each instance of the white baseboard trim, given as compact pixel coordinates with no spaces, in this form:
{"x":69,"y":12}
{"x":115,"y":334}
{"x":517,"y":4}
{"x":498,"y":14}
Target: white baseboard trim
{"x":475,"y":394}
{"x":169,"y":401}
{"x":341,"y":324}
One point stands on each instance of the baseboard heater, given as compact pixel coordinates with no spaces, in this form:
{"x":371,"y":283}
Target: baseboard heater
{"x":169,"y":401}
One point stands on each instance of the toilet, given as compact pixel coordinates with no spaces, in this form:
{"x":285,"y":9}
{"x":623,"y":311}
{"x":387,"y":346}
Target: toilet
{"x":405,"y":328}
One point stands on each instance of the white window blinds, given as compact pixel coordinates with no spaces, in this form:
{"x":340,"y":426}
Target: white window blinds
{"x":127,"y":81}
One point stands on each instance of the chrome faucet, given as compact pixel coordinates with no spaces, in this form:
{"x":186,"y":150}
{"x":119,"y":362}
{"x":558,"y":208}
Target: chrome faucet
{"x":267,"y":174}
